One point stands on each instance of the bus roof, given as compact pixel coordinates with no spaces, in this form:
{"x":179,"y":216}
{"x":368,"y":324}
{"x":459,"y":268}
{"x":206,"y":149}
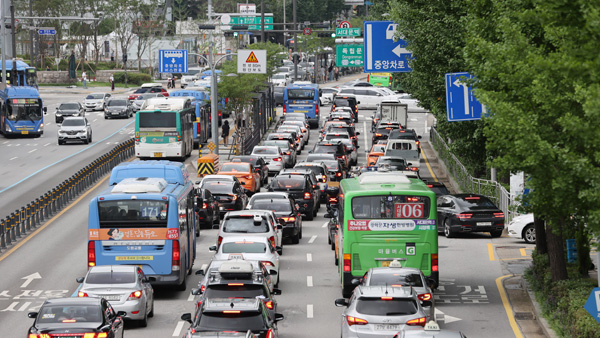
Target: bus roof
{"x":385,"y":182}
{"x":20,"y":65}
{"x":140,"y":185}
{"x":21,"y":92}
{"x":166,"y":103}
{"x":302,"y":85}
{"x":172,"y":172}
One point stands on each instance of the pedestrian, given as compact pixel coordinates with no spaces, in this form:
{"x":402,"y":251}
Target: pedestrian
{"x":112,"y":56}
{"x":173,"y":83}
{"x":47,"y":68}
{"x":112,"y":83}
{"x":322,"y":74}
{"x":84,"y":79}
{"x":169,"y":81}
{"x":225,"y":131}
{"x":330,"y":71}
{"x":336,"y":72}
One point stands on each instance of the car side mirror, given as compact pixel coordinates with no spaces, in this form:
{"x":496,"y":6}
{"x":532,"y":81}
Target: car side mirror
{"x":187,"y":317}
{"x":32,"y":314}
{"x":279,"y":250}
{"x":45,"y":109}
{"x":356,"y":281}
{"x":196,"y":291}
{"x":341,"y":302}
{"x":432,"y":283}
{"x":419,"y":136}
{"x":357,"y":102}
{"x":200,"y":272}
{"x":310,"y":151}
{"x":79,"y":279}
{"x":212,"y":248}
{"x":279,"y":226}
{"x":243,"y":183}
{"x":358,"y":133}
{"x":276,"y":292}
{"x":273,"y":272}
{"x":279,"y":317}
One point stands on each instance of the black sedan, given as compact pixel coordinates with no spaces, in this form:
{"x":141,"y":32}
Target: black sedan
{"x":287,"y":214}
{"x":229,"y":194}
{"x":68,"y":109}
{"x":207,"y":209}
{"x":93,"y":317}
{"x":468,"y":213}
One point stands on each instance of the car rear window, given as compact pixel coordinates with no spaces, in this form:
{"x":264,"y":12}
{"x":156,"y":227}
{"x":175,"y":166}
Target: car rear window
{"x":218,"y":187}
{"x":232,"y":167}
{"x":376,"y":306}
{"x":327,"y":149}
{"x":400,"y":279}
{"x":314,"y":168}
{"x":219,"y":321}
{"x":276,"y":206}
{"x":478,"y":202}
{"x":341,"y":102}
{"x":265,"y":151}
{"x":244,"y":247}
{"x":290,"y":182}
{"x":72,"y":314}
{"x":336,"y":136}
{"x":110,"y":277}
{"x":227,"y":291}
{"x":244,"y":224}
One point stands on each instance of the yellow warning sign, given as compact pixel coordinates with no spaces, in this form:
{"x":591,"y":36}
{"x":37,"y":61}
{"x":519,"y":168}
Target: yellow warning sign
{"x":252,"y":58}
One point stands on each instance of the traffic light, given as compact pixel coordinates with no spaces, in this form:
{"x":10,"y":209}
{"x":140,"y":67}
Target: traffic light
{"x":228,"y":34}
{"x":323,"y":35}
{"x":333,"y":35}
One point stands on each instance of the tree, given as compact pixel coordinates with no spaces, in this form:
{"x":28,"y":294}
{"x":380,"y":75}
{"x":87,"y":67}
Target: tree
{"x":146,"y":25}
{"x":124,"y":14}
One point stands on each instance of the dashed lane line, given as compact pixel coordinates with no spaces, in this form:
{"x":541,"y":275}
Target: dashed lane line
{"x":309,"y":281}
{"x":309,"y":311}
{"x":312,"y":239}
{"x":309,"y":257}
{"x":178,"y":328}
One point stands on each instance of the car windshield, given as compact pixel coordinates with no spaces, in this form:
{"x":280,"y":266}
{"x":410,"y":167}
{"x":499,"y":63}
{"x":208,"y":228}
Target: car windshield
{"x":227,"y":291}
{"x":244,"y":225}
{"x":141,"y":90}
{"x":395,"y":163}
{"x":95,"y":96}
{"x":276,"y":206}
{"x":110,"y":277}
{"x":331,"y":165}
{"x":378,"y":148}
{"x":243,"y":247}
{"x":72,"y":314}
{"x":117,"y":103}
{"x":219,"y":321}
{"x":69,"y":106}
{"x":73,"y":123}
{"x":295,"y":182}
{"x":375,"y":306}
{"x":396,"y":279}
{"x":235,"y":167}
{"x":217,"y":187}
{"x":265,"y":151}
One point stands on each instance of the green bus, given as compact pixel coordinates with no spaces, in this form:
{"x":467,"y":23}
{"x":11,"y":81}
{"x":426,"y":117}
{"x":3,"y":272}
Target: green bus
{"x":385,"y":217}
{"x":380,"y":79}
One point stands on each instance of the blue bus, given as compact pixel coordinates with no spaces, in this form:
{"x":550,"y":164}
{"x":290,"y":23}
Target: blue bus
{"x":202,"y":129}
{"x":148,"y":222}
{"x":303,"y":98}
{"x":26,"y":76}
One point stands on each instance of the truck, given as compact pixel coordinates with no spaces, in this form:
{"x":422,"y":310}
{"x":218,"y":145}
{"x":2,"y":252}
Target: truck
{"x":392,"y":110}
{"x":406,"y":149}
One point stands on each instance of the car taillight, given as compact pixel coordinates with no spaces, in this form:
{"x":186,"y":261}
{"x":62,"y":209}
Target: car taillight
{"x":289,"y":219}
{"x":91,"y":253}
{"x":387,"y":298}
{"x":204,"y":205}
{"x":219,"y":240}
{"x":175,"y":257}
{"x":464,"y":216}
{"x":307,"y":196}
{"x":287,"y":152}
{"x":333,"y":200}
{"x":233,"y":197}
{"x":378,"y":135}
{"x":425,"y":297}
{"x":284,"y":109}
{"x":278,"y":159}
{"x":417,"y":142}
{"x":198,"y":128}
{"x":268,"y":263}
{"x":338,"y":174}
{"x":248,"y":177}
{"x":135,"y":295}
{"x":434,"y":262}
{"x":347,"y":267}
{"x":332,"y":107}
{"x":269,"y":305}
{"x":324,"y":177}
{"x":272,"y":240}
{"x":499,"y":214}
{"x":270,"y":334}
{"x":82,"y":294}
{"x":317,"y":110}
{"x":355,"y":321}
{"x":417,"y":321}
{"x":356,"y":109}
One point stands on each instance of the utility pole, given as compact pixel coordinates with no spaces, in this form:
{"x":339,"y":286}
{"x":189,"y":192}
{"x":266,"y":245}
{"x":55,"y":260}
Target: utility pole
{"x":32,"y":24}
{"x":262,"y":20}
{"x":3,"y":32}
{"x":295,"y":42}
{"x":14,"y":79}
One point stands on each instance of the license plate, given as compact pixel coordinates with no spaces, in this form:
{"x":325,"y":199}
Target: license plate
{"x":484,"y":223}
{"x":112,"y":297}
{"x":385,"y":264}
{"x":158,"y":154}
{"x":115,"y":113}
{"x":24,"y":132}
{"x":387,"y":327}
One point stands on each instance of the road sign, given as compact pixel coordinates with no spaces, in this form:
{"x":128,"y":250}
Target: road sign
{"x":349,"y":55}
{"x":592,"y":305}
{"x":344,"y":24}
{"x":253,"y":22}
{"x":173,"y":60}
{"x":347,"y":32}
{"x":306,"y":30}
{"x":461,"y":104}
{"x":383,"y":53}
{"x":252,"y":61}
{"x":46,"y":31}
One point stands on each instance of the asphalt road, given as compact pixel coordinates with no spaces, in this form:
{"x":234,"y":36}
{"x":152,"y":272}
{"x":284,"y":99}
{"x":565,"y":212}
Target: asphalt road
{"x":45,"y":264}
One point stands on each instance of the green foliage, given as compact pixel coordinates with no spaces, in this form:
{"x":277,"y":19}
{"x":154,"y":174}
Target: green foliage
{"x":562,"y":302}
{"x":132,"y":78}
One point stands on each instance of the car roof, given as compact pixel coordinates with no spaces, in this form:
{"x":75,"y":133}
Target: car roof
{"x":386,"y":270}
{"x":244,"y":239}
{"x":214,"y":177}
{"x":383,"y":291}
{"x":267,"y":195}
{"x":224,"y":304}
{"x":113,"y":268}
{"x":247,"y":212}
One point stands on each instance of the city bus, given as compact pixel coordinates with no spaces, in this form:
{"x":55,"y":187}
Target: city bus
{"x":380,"y":79}
{"x":148,"y":222}
{"x":21,"y":112}
{"x":164,"y":128}
{"x":303,"y":98}
{"x":202,"y":129}
{"x":385,"y":217}
{"x":26,"y":75}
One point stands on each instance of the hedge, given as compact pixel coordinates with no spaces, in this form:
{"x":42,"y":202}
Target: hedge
{"x":562,"y":302}
{"x":132,"y":78}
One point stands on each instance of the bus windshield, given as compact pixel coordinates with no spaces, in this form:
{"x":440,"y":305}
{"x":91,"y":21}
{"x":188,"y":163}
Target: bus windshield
{"x":24,"y":109}
{"x":301,"y":94}
{"x":132,"y":213}
{"x":158,"y":120}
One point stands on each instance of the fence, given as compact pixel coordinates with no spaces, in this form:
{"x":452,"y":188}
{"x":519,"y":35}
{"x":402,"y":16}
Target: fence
{"x":20,"y":222}
{"x":468,"y":183}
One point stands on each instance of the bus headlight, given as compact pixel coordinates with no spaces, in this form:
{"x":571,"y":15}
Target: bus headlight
{"x":41,"y":127}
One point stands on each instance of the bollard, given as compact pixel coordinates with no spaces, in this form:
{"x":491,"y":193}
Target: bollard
{"x":22,"y":220}
{"x":17,"y":224}
{"x":11,"y":235}
{"x":53,"y":201}
{"x":46,"y":205}
{"x":29,"y":217}
{"x":37,"y":210}
{"x":2,"y":234}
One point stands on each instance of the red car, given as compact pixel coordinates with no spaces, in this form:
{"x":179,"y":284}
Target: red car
{"x":148,"y":88}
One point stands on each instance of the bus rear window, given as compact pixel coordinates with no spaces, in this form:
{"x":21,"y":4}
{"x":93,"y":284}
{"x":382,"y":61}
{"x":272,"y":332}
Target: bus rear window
{"x":132,"y":213}
{"x":390,"y":207}
{"x":301,"y":94}
{"x":157,"y":120}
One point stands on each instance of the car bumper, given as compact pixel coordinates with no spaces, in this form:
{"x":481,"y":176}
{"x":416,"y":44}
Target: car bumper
{"x":289,"y":230}
{"x":514,"y":232}
{"x":116,"y":114}
{"x":150,"y":150}
{"x":305,"y":206}
{"x":79,"y":137}
{"x":225,"y":207}
{"x":477,"y":226}
{"x":130,"y":307}
{"x":275,"y":168}
{"x":93,"y":106}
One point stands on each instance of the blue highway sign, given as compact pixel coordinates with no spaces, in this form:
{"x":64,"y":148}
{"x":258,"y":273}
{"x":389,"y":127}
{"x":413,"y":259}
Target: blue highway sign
{"x":592,"y":305}
{"x":383,"y":53}
{"x":461,"y":104}
{"x":46,"y":31}
{"x":173,"y":60}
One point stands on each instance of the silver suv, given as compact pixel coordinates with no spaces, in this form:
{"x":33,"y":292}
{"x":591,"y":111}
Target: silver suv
{"x":75,"y":129}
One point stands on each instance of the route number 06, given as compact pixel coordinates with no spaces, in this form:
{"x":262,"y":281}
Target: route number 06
{"x":409,"y":210}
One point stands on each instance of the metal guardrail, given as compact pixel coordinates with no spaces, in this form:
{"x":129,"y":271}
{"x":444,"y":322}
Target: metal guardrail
{"x":468,"y":183}
{"x":19,"y":223}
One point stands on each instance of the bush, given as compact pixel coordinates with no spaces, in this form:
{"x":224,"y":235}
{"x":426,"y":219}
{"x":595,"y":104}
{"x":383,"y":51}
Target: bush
{"x":132,"y":78}
{"x":562,"y":302}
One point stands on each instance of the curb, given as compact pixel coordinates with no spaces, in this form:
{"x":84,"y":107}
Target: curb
{"x":538,"y":311}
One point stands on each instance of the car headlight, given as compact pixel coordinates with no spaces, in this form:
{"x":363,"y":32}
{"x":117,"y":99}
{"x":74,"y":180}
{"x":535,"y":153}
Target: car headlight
{"x":58,"y":114}
{"x":60,"y":131}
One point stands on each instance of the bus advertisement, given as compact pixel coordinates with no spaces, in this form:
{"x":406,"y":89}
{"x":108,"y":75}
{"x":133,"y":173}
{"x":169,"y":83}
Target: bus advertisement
{"x":303,"y":98}
{"x":386,"y":217}
{"x":164,"y":128}
{"x":146,"y":222}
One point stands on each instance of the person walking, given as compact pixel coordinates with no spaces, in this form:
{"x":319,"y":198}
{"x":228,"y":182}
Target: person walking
{"x":84,"y":79}
{"x":112,"y":83}
{"x":330,"y":71}
{"x":336,"y":72}
{"x":225,"y":131}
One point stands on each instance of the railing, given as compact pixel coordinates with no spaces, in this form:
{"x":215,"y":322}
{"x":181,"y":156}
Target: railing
{"x":468,"y":183}
{"x":19,"y":223}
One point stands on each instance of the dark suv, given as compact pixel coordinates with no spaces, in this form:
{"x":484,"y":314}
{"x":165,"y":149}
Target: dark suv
{"x":229,"y":194}
{"x":234,"y":314}
{"x":382,"y":132}
{"x":346,"y":101}
{"x":336,"y":148}
{"x":300,"y":189}
{"x":349,"y":129}
{"x":312,"y":178}
{"x":288,"y":215}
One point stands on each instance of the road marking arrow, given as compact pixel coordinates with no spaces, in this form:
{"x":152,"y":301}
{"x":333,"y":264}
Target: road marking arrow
{"x":30,"y":278}
{"x":440,"y":316}
{"x":399,"y":50}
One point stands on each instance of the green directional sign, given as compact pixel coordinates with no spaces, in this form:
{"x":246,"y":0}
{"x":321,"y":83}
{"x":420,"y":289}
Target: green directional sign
{"x":349,"y":55}
{"x":347,"y":32}
{"x":253,"y":22}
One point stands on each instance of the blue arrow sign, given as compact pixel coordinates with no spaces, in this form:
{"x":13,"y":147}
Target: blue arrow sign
{"x":173,"y":60}
{"x":47,"y":31}
{"x":383,"y":53}
{"x":592,"y":305}
{"x":461,"y":104}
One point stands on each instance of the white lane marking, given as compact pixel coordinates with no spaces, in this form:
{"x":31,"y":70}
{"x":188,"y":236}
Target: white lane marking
{"x":309,"y":281}
{"x":14,"y":158}
{"x":31,"y":151}
{"x":312,"y":239}
{"x":178,"y":328}
{"x":190,"y":297}
{"x":324,"y":225}
{"x":309,"y":257}
{"x":47,"y":144}
{"x":309,"y":311}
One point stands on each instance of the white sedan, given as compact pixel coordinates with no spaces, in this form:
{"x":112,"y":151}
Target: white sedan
{"x":249,"y":248}
{"x":522,"y":227}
